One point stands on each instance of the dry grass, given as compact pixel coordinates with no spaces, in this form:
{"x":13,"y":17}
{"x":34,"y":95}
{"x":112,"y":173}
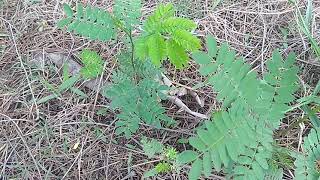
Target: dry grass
{"x":38,"y":141}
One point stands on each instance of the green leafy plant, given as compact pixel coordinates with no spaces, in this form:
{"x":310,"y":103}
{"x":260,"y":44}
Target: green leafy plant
{"x":281,"y":158}
{"x":67,"y":84}
{"x":239,"y":136}
{"x":285,"y":32}
{"x":305,"y":103}
{"x":163,"y":167}
{"x":153,"y":148}
{"x":137,"y":102}
{"x":164,"y":35}
{"x":238,"y":139}
{"x":167,"y":36}
{"x":89,"y":21}
{"x":308,"y":163}
{"x":93,"y":64}
{"x":134,"y":92}
{"x":128,"y":11}
{"x":171,"y":153}
{"x":93,"y":67}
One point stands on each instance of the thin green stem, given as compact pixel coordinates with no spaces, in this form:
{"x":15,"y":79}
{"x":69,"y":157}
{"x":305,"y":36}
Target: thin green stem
{"x":128,"y":32}
{"x":132,"y":52}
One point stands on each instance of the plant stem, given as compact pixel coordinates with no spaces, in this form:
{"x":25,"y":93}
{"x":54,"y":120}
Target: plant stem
{"x":132,"y":52}
{"x":128,"y":32}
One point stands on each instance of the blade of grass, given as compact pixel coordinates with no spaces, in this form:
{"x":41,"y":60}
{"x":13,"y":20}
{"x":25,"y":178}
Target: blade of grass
{"x":316,"y":89}
{"x":312,"y":116}
{"x":305,"y":26}
{"x":47,"y":98}
{"x":68,"y":83}
{"x":66,"y":74}
{"x":49,"y":86}
{"x":308,"y":15}
{"x":78,"y":92}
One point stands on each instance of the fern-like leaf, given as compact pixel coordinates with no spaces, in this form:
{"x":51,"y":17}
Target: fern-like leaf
{"x":137,"y":103}
{"x":232,"y":79}
{"x":239,"y":138}
{"x":142,"y":49}
{"x":151,"y":147}
{"x":279,"y":84}
{"x":228,"y":138}
{"x":252,"y":164}
{"x":177,"y":23}
{"x":230,"y":76}
{"x":153,"y":23}
{"x":157,"y":49}
{"x":128,"y":11}
{"x":128,"y":124}
{"x":90,"y":22}
{"x":186,"y":40}
{"x":176,"y":54}
{"x":167,"y":36}
{"x":307,"y":164}
{"x":275,"y":174}
{"x":93,"y":64}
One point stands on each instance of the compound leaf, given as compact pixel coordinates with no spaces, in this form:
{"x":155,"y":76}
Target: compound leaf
{"x":187,"y":156}
{"x":195,"y":170}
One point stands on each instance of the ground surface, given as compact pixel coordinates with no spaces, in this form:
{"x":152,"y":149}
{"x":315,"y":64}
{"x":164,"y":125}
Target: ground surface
{"x":39,"y":141}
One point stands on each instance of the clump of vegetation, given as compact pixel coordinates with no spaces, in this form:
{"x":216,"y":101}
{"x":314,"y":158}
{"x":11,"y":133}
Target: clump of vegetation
{"x":168,"y":156}
{"x":131,"y":89}
{"x":93,"y":64}
{"x":238,"y":139}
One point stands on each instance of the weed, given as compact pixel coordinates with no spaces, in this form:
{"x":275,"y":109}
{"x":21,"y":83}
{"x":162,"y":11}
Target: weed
{"x":238,"y":139}
{"x":304,"y":24}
